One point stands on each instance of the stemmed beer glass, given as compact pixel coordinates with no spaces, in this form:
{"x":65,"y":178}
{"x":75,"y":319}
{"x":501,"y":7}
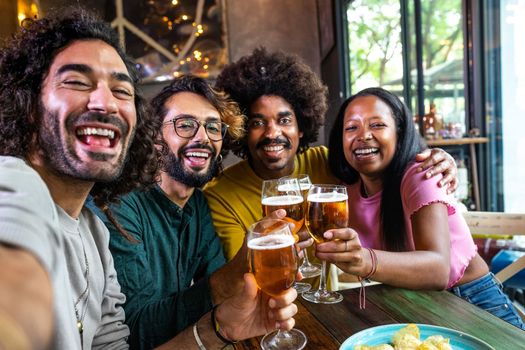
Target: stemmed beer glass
{"x":273,"y":262}
{"x":286,"y":194}
{"x":307,"y":269}
{"x":326,"y":209}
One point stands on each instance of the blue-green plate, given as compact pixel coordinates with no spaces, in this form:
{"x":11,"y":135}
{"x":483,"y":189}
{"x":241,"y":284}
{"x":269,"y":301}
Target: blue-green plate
{"x":383,"y":334}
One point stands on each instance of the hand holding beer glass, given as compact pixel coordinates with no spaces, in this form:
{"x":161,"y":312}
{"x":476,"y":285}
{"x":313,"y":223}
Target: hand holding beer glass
{"x":285,"y":193}
{"x":273,"y":262}
{"x":326,"y":209}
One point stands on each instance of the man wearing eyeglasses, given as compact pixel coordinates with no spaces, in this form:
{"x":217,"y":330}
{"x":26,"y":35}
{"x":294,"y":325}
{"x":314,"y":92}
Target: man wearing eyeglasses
{"x":172,"y":273}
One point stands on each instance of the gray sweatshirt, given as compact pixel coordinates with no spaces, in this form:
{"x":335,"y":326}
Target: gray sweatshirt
{"x":31,"y":220}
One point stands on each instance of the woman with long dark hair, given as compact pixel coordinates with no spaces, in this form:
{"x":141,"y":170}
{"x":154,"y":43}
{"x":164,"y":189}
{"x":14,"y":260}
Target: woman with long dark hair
{"x":404,"y":229}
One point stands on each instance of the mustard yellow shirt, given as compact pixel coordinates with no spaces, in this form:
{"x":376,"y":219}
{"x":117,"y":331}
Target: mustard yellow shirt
{"x":234,"y":196}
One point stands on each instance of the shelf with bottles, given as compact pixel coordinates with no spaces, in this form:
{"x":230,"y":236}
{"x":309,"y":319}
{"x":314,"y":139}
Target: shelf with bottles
{"x":466,"y":161}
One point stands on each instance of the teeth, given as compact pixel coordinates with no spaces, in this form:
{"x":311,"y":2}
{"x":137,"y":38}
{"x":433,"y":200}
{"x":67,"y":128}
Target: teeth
{"x":197,"y":154}
{"x":366,"y":150}
{"x":273,"y":148}
{"x":97,"y":131}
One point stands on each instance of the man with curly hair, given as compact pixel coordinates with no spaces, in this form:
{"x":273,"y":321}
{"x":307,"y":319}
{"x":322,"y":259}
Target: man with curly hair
{"x":70,"y":117}
{"x":175,"y":242}
{"x":73,"y":122}
{"x":285,"y":103}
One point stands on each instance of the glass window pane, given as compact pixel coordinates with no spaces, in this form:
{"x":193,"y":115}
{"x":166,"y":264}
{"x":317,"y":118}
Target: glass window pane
{"x":512,"y":27}
{"x":442,"y":41}
{"x":374,"y":46}
{"x":376,"y":56}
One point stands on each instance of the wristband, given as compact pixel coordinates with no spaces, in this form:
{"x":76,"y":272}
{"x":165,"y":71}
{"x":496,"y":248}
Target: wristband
{"x":217,"y":329}
{"x":362,"y":292}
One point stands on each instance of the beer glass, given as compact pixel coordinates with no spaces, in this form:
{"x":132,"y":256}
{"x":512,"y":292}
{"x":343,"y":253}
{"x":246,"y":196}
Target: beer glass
{"x":286,"y":194}
{"x":273,"y":262}
{"x":308,"y":269}
{"x":326,"y":209}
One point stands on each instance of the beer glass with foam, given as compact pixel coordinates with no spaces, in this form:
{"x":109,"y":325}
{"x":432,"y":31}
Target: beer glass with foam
{"x":285,"y":193}
{"x":326,"y":209}
{"x":273,"y":262}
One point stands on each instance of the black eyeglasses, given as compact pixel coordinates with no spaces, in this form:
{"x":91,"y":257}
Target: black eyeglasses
{"x":187,"y":127}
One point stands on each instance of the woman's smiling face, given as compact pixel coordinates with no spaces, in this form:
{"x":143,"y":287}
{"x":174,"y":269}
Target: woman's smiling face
{"x":369,"y":135}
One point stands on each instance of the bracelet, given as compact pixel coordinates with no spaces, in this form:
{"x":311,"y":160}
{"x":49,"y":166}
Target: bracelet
{"x":217,"y":329}
{"x":362,"y":291}
{"x":373,"y":257}
{"x":197,"y":338}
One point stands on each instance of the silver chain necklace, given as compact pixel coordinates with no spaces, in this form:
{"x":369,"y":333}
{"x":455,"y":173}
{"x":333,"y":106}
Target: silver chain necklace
{"x":83,"y":295}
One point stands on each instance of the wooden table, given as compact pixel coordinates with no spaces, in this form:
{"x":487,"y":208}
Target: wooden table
{"x":328,"y":326}
{"x":472,"y":142}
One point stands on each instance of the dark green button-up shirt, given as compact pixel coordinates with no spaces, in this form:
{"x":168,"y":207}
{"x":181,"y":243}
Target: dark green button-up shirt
{"x":165,"y":276}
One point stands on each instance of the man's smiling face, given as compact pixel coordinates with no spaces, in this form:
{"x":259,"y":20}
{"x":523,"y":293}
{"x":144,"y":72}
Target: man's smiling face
{"x":273,"y":137}
{"x":87,"y":112}
{"x":192,"y":161}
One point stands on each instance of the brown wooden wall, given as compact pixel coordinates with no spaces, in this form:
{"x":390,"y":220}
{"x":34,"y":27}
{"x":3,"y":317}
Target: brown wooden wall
{"x":288,"y":25}
{"x":8,"y":20}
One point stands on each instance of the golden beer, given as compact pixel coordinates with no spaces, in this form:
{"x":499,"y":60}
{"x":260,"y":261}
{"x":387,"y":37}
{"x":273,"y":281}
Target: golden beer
{"x":325,"y":211}
{"x":273,"y":262}
{"x":294,"y":206}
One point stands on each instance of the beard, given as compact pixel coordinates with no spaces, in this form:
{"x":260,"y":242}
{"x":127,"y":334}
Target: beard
{"x":57,"y":147}
{"x":174,"y":167}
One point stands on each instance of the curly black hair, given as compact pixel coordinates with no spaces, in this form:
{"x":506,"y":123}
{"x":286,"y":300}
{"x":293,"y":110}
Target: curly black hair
{"x":25,"y":60}
{"x":278,"y":74}
{"x":409,"y":143}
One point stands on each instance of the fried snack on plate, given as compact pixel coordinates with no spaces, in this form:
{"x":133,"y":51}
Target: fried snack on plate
{"x":435,"y":342}
{"x":410,"y":329}
{"x":375,"y":347}
{"x":407,"y":338}
{"x":407,"y":342}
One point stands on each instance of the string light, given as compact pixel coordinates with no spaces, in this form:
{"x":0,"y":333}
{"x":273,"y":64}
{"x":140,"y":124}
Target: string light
{"x":26,"y":9}
{"x":197,"y":54}
{"x":200,"y":30}
{"x":164,"y":14}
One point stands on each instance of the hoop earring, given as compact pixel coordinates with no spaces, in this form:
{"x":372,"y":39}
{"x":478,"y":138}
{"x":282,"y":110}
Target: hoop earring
{"x":219,"y":158}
